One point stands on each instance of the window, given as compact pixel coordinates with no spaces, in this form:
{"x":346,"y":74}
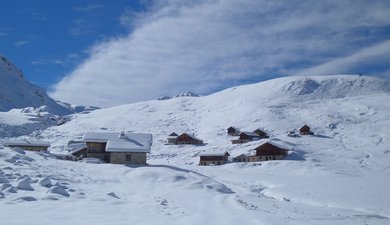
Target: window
{"x":128,"y":157}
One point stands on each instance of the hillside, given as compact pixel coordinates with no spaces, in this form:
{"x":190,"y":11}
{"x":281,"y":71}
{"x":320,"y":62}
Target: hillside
{"x":17,"y":92}
{"x":339,"y":175}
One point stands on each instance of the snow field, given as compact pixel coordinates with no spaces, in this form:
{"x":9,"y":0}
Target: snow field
{"x":337,"y":176}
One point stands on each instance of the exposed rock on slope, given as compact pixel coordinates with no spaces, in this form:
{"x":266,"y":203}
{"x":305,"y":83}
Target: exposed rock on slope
{"x":17,"y":92}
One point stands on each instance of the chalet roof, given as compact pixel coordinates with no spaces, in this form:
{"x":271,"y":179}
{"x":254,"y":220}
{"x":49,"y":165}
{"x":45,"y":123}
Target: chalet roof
{"x":243,"y":155}
{"x":252,"y":134}
{"x":121,"y":141}
{"x":270,"y":148}
{"x":191,"y":136}
{"x":217,"y":153}
{"x":259,"y":130}
{"x":235,"y":128}
{"x":305,"y":128}
{"x":15,"y":143}
{"x":130,"y":145}
{"x":173,"y":135}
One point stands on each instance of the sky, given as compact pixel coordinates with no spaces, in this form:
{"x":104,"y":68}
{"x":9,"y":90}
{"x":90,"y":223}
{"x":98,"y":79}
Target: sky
{"x":107,"y":53}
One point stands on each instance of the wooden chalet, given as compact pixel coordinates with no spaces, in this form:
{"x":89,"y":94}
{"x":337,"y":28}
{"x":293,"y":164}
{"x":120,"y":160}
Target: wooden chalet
{"x":261,"y":133}
{"x":213,"y":158}
{"x":118,"y":148}
{"x":28,"y":145}
{"x":232,"y":131}
{"x":171,"y":139}
{"x":305,"y":130}
{"x":268,"y":151}
{"x":246,"y":158}
{"x":187,"y":139}
{"x":245,"y":137}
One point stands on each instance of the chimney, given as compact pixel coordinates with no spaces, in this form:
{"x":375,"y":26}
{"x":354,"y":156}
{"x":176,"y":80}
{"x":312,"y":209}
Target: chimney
{"x":122,"y":135}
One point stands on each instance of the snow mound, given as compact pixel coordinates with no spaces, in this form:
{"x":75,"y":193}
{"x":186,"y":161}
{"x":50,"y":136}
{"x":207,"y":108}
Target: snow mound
{"x":25,"y":185}
{"x":112,"y":194}
{"x":45,"y":182}
{"x":175,"y":177}
{"x":58,"y":190}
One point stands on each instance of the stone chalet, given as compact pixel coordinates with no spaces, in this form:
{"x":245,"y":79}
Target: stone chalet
{"x":118,"y":148}
{"x":28,"y":145}
{"x":215,"y":158}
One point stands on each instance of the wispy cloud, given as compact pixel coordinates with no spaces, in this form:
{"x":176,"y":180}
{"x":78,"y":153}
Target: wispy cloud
{"x":377,"y":54}
{"x":57,"y":60}
{"x":207,"y":45}
{"x":21,"y":43}
{"x":90,"y":8}
{"x":81,"y":27}
{"x":34,"y":14}
{"x":88,"y":19}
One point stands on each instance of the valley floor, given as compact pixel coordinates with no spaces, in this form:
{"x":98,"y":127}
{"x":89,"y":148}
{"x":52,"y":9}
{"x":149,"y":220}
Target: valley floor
{"x":236,"y":193}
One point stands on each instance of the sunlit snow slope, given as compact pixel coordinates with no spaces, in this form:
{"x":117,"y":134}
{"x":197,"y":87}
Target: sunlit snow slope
{"x":337,"y":176}
{"x":17,"y":92}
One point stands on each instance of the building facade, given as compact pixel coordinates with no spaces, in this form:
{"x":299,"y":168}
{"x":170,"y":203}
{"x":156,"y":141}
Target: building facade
{"x":213,"y":158}
{"x":118,"y":148}
{"x":28,"y":145}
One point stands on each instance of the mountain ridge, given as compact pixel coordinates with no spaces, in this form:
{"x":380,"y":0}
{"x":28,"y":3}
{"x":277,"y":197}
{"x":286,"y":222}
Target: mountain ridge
{"x":17,"y":92}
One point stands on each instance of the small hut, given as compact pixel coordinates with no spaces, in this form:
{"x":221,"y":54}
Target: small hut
{"x":215,"y":158}
{"x":305,"y":130}
{"x":261,"y":133}
{"x":28,"y":145}
{"x":232,"y":131}
{"x":171,"y":139}
{"x":245,"y":137}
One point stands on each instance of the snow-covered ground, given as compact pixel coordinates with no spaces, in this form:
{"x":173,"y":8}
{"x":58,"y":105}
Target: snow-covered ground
{"x":340,"y":175}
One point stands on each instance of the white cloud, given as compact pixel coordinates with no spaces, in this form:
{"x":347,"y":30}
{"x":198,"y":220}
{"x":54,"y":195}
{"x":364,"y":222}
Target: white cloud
{"x":21,"y":43}
{"x":379,"y":53}
{"x":207,"y":45}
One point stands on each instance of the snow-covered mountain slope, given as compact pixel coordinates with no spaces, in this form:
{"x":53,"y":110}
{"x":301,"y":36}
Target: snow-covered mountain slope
{"x":185,"y":94}
{"x":339,"y":175}
{"x":17,"y":92}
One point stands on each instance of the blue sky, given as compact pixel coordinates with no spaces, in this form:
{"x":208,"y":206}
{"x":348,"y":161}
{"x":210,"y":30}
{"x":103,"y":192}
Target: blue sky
{"x":107,"y":53}
{"x":47,"y":39}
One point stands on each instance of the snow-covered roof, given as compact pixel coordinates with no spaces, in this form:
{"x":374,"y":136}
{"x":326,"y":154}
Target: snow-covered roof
{"x":122,"y":145}
{"x":13,"y":143}
{"x":281,"y":146}
{"x":244,"y":155}
{"x":192,"y":136}
{"x":250,"y":133}
{"x":214,"y":153}
{"x":121,"y":141}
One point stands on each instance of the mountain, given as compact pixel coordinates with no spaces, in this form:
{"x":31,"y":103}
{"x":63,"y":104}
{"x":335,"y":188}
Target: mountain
{"x":339,"y":175}
{"x":184,"y":94}
{"x":17,"y":92}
